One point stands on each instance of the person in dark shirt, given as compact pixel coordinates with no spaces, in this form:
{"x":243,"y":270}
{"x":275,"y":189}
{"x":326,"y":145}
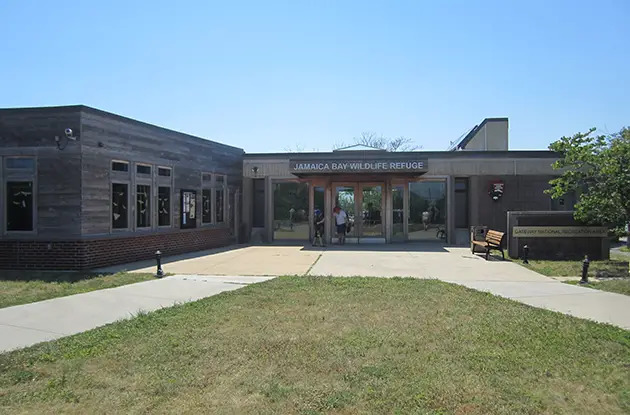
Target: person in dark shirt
{"x":319,"y":228}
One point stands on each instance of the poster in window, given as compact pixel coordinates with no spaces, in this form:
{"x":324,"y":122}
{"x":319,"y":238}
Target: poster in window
{"x":188,"y":199}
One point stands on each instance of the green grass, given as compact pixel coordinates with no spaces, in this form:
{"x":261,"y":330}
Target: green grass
{"x":306,"y":345}
{"x":624,"y":249}
{"x":570,"y":268}
{"x":613,"y":286}
{"x":22,"y":287}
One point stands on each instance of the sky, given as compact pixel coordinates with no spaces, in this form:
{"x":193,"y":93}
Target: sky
{"x":271,"y":76}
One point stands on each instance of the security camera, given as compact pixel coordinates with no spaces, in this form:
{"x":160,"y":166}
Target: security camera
{"x":69,"y":135}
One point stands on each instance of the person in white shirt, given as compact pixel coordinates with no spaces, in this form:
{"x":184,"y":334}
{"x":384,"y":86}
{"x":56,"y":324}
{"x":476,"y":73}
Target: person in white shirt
{"x":340,"y":220}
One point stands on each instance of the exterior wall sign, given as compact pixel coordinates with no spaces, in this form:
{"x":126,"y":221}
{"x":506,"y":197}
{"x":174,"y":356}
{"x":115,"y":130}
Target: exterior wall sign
{"x":189,"y":207}
{"x":559,"y":231}
{"x":496,"y":189}
{"x":357,"y":166}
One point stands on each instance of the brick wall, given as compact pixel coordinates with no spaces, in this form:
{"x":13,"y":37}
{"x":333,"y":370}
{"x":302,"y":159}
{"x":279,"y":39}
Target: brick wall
{"x":94,"y":253}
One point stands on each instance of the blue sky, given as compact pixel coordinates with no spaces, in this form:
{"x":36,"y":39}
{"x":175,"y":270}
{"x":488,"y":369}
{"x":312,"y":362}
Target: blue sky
{"x":267,"y":76}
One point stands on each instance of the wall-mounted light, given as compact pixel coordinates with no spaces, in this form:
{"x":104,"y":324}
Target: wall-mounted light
{"x":255,"y":170}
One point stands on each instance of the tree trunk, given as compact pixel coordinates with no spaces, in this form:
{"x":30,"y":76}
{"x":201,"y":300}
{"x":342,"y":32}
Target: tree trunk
{"x":628,"y":236}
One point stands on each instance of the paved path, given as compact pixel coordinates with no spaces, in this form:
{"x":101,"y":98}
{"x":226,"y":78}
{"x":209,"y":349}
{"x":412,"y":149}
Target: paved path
{"x":233,"y":260}
{"x":28,"y":324}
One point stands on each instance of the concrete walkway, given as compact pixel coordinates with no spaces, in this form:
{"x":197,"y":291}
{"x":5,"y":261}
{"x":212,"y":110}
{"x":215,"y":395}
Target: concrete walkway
{"x":28,"y":324}
{"x":233,"y":260}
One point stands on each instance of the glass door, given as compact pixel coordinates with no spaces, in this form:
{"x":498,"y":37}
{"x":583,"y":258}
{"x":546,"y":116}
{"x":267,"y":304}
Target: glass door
{"x":346,"y":200}
{"x":371,"y":211}
{"x":363,"y":203}
{"x":427,"y":210}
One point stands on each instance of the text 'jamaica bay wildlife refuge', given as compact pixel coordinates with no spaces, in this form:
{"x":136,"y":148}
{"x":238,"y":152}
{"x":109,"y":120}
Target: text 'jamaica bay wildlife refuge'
{"x":357,"y":166}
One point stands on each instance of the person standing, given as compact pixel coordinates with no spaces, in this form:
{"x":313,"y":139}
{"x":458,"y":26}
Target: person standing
{"x":340,"y":220}
{"x":319,"y":228}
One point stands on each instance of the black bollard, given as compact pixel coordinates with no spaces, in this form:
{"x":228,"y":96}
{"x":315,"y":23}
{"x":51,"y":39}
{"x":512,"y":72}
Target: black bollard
{"x":158,"y":258}
{"x":525,"y":254}
{"x":585,"y":265}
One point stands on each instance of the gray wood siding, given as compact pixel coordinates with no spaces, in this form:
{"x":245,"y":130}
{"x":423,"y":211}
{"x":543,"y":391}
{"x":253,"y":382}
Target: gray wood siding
{"x":107,"y":137}
{"x":31,"y":132}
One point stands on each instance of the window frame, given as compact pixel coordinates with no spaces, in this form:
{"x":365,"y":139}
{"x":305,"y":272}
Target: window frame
{"x":111,"y":167}
{"x":18,"y":175}
{"x":222,"y":187}
{"x":121,"y":177}
{"x":209,"y":186}
{"x":164,"y":181}
{"x":112,"y":182}
{"x":141,"y":179}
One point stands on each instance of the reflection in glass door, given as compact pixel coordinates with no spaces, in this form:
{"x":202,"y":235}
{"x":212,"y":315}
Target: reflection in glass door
{"x":371,"y":211}
{"x":398,"y":224}
{"x":427,"y":210}
{"x":344,"y":198}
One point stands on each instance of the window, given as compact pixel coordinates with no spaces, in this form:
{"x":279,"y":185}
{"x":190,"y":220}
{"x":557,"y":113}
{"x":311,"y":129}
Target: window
{"x":164,"y":206}
{"x":189,"y":207}
{"x":143,"y":206}
{"x":20,"y":163}
{"x":120,"y":206}
{"x":143,"y":169}
{"x":219,"y":199}
{"x":164,"y":171}
{"x":206,"y":206}
{"x":220,"y":203}
{"x":461,"y":202}
{"x":19,"y":205}
{"x":120,"y":166}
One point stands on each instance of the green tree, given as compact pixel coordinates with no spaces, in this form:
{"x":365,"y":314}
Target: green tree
{"x":597,"y":169}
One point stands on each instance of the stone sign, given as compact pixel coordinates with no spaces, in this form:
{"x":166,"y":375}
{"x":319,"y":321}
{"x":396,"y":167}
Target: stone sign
{"x":559,"y":231}
{"x":358,"y":166}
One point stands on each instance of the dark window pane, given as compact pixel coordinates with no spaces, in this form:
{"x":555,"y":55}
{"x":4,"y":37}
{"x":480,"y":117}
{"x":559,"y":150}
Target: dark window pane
{"x":206,"y":206}
{"x":290,"y":210}
{"x":19,"y":206}
{"x":220,"y":180}
{"x":219,"y":205}
{"x":461,"y":184}
{"x":427,"y":210}
{"x":164,"y":172}
{"x":143,"y":206}
{"x":142,"y":169}
{"x":120,"y":166}
{"x":164,"y":206}
{"x":206,"y":178}
{"x":120,"y":204}
{"x":21,"y":163}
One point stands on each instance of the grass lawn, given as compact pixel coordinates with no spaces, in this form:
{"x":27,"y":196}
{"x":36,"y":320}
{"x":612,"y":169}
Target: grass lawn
{"x":614,"y":286}
{"x":21,"y":287}
{"x":308,"y":345}
{"x":570,"y":268}
{"x":624,"y":249}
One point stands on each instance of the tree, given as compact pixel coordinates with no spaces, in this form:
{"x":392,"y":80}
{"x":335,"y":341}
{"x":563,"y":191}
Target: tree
{"x":597,"y":169}
{"x":371,"y":139}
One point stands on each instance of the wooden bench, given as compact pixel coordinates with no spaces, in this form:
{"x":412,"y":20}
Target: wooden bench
{"x":494,"y":240}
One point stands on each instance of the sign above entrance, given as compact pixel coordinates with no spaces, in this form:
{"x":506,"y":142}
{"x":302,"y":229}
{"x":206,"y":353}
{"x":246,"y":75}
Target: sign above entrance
{"x":318,"y":166}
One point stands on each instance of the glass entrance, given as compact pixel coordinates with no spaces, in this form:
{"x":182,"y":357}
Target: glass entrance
{"x":371,"y":211}
{"x":427,"y":210}
{"x":363,"y":203}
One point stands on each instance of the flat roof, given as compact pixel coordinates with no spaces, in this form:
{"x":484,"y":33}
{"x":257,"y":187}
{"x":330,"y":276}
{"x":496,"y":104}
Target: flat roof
{"x":517,"y":154}
{"x":85,"y":108}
